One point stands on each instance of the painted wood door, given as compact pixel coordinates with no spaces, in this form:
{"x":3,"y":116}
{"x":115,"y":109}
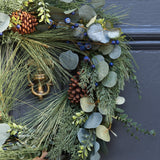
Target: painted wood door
{"x":145,"y":31}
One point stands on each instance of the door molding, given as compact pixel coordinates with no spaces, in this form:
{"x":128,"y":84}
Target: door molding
{"x":146,"y":37}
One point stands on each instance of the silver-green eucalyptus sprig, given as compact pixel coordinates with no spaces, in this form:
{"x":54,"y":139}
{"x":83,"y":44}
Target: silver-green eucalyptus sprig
{"x":130,"y":124}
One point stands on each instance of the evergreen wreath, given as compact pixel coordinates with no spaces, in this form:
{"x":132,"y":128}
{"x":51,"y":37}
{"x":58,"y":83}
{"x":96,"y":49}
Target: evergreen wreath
{"x":73,"y":48}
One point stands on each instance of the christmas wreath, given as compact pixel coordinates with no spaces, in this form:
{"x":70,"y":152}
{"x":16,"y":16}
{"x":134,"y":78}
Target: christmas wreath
{"x":75,"y":61}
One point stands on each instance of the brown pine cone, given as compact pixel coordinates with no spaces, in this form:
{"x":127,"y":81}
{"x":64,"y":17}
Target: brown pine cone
{"x":75,"y":92}
{"x":28,"y":22}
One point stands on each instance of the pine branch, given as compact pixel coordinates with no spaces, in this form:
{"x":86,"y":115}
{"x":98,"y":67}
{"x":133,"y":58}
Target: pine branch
{"x":12,"y":81}
{"x":22,"y":153}
{"x":47,"y":121}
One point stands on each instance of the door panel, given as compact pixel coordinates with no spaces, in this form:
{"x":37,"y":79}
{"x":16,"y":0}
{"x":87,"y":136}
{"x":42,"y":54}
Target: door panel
{"x":144,"y":37}
{"x":140,"y":12}
{"x":145,"y":111}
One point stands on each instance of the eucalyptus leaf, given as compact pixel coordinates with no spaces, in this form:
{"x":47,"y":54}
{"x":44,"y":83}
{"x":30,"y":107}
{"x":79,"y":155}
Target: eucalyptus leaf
{"x":114,"y":33}
{"x":82,"y":135}
{"x":93,"y":121}
{"x":120,"y":100}
{"x":96,"y":33}
{"x":106,"y":35}
{"x":61,"y":25}
{"x":42,"y":27}
{"x":96,"y":147}
{"x":102,"y":70}
{"x":91,"y":21}
{"x":111,"y":80}
{"x":109,"y":24}
{"x":70,"y":11}
{"x":69,"y":60}
{"x":4,"y":22}
{"x":57,"y":14}
{"x":95,"y":156}
{"x":86,"y":104}
{"x":107,"y":49}
{"x":119,"y":110}
{"x":4,"y":135}
{"x":66,"y":1}
{"x":86,"y":12}
{"x":116,"y":52}
{"x":98,"y":3}
{"x":102,"y":132}
{"x":103,"y":109}
{"x":97,"y":59}
{"x":79,"y":31}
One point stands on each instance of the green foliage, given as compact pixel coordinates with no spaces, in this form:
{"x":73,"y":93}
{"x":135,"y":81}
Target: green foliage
{"x":88,"y":77}
{"x":14,"y":21}
{"x":8,"y":6}
{"x":105,"y":97}
{"x":79,"y":118}
{"x":66,"y":6}
{"x":40,"y":49}
{"x":106,"y":102}
{"x":15,"y":129}
{"x":111,"y":14}
{"x":129,"y":65}
{"x":47,"y":120}
{"x":53,"y":123}
{"x":22,"y":153}
{"x":129,"y":123}
{"x":86,"y":146}
{"x":66,"y":134}
{"x":43,"y":11}
{"x":12,"y":79}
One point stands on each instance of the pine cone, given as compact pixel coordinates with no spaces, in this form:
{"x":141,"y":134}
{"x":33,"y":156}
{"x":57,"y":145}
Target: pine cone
{"x":27,"y":22}
{"x":75,"y":91}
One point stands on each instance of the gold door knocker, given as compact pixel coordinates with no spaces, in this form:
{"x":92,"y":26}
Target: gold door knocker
{"x":41,"y":82}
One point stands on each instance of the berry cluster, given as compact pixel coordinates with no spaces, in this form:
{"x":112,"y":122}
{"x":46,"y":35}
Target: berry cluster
{"x":115,"y":42}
